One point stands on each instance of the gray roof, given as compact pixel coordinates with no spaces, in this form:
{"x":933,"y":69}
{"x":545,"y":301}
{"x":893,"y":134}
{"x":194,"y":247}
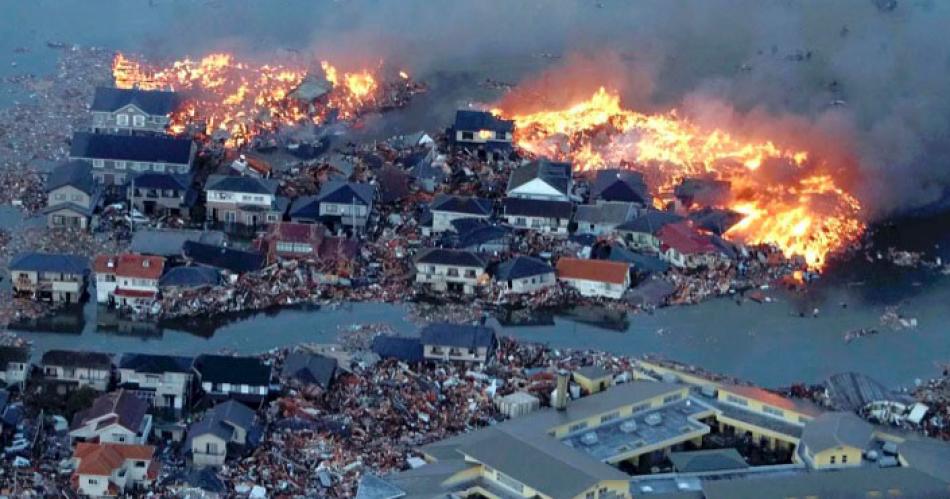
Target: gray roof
{"x":557,"y":175}
{"x":48,"y":262}
{"x":234,"y":183}
{"x":650,"y":222}
{"x":592,"y":372}
{"x":834,"y":429}
{"x":169,"y":243}
{"x":13,"y":354}
{"x":373,"y":487}
{"x":440,"y":256}
{"x":76,"y":173}
{"x":458,"y":335}
{"x":75,"y":358}
{"x":462,"y":204}
{"x":620,"y":185}
{"x":927,"y":455}
{"x":481,"y":120}
{"x":520,"y":267}
{"x":128,"y":408}
{"x":234,"y":413}
{"x":347,"y":192}
{"x":707,"y":460}
{"x":610,"y":212}
{"x":542,"y":208}
{"x":850,"y":483}
{"x":309,"y":368}
{"x":208,"y":426}
{"x":155,"y":364}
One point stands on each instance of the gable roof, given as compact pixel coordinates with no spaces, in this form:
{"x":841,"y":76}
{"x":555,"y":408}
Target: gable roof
{"x":833,"y":429}
{"x":235,"y":370}
{"x":481,"y":234}
{"x":154,"y":102}
{"x":208,"y":426}
{"x":190,"y":277}
{"x":459,"y":335}
{"x":233,"y":260}
{"x":233,"y":413}
{"x":76,"y":173}
{"x":592,"y":270}
{"x":607,"y":212}
{"x":462,"y":204}
{"x":129,"y":410}
{"x":402,"y":348}
{"x":347,"y":193}
{"x":155,"y":364}
{"x":309,"y":368}
{"x":481,"y":120}
{"x":520,"y":267}
{"x":650,"y":222}
{"x":620,"y":185}
{"x":49,"y":262}
{"x":555,"y":174}
{"x":74,"y":358}
{"x":102,"y":459}
{"x":305,"y":207}
{"x":538,"y":208}
{"x":130,"y":265}
{"x":144,"y":148}
{"x":237,"y":183}
{"x":441,"y":256}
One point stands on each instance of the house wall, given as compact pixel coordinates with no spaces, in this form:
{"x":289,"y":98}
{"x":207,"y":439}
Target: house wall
{"x":105,"y":286}
{"x":844,"y":457}
{"x":592,"y":385}
{"x":557,"y":226}
{"x":756,"y":406}
{"x":115,"y":172}
{"x":442,"y":220}
{"x":642,"y":240}
{"x":530,"y":284}
{"x":453,"y":353}
{"x":202,"y":455}
{"x":438,"y":276}
{"x":16,"y":372}
{"x":93,"y":485}
{"x":228,"y":389}
{"x":165,"y":200}
{"x":68,"y":194}
{"x":169,"y":383}
{"x":58,"y":286}
{"x":349,"y":213}
{"x":67,"y":218}
{"x":97,"y":379}
{"x":482,"y":136}
{"x":596,"y":288}
{"x":129,"y":119}
{"x":118,"y":435}
{"x":231,"y":211}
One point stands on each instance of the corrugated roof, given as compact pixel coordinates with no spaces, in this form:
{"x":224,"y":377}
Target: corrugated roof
{"x":848,"y":483}
{"x":592,"y":270}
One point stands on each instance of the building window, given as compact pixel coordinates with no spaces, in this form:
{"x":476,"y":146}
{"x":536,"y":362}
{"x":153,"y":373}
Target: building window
{"x":92,"y":481}
{"x":671,"y":398}
{"x":120,"y":165}
{"x":140,"y":464}
{"x":331,"y":208}
{"x":844,"y":459}
{"x":468,"y":135}
{"x":470,"y":273}
{"x":452,"y":272}
{"x":211,"y":448}
{"x":736,"y":400}
{"x":609,"y":417}
{"x":122,"y":119}
{"x":138,"y":120}
{"x":98,"y":163}
{"x":577,"y":427}
{"x":833,"y":459}
{"x":773,"y":411}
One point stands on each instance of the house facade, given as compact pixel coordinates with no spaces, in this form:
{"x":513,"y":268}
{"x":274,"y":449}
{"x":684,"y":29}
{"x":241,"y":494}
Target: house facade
{"x":682,"y":246}
{"x":481,"y":130}
{"x":548,"y":217}
{"x":113,"y":470}
{"x":163,"y":381}
{"x":116,"y":158}
{"x":451,"y":270}
{"x":458,"y":343}
{"x":247,"y":201}
{"x":128,"y":279}
{"x":162,"y":194}
{"x":339,"y":204}
{"x":49,"y":277}
{"x":594,"y":278}
{"x":14,"y":365}
{"x":74,"y":368}
{"x":119,"y":417}
{"x":604,"y":217}
{"x":132,"y":111}
{"x":71,"y":196}
{"x":289,"y":240}
{"x":223,"y":430}
{"x":447,"y":208}
{"x":541,"y":179}
{"x":641,"y":233}
{"x":523,"y":274}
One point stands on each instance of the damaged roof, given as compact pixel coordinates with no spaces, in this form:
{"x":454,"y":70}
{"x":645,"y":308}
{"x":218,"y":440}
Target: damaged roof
{"x":190,"y":277}
{"x":458,"y":335}
{"x":154,"y":102}
{"x":481,"y":120}
{"x":402,"y":348}
{"x":169,"y":242}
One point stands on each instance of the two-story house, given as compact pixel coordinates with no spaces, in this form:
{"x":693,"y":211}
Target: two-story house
{"x":620,"y":185}
{"x":539,"y":215}
{"x":445,"y":209}
{"x":603,"y":217}
{"x":132,"y":111}
{"x":641,"y":232}
{"x":594,"y":278}
{"x":339,"y":204}
{"x":484,"y":132}
{"x":457,"y":342}
{"x":128,"y":280}
{"x":683,"y":246}
{"x":162,"y":194}
{"x":118,"y":417}
{"x":49,"y":277}
{"x":541,"y":179}
{"x":113,"y":470}
{"x":451,"y":270}
{"x":71,"y":196}
{"x":164,"y":381}
{"x":115,"y":158}
{"x":241,"y":200}
{"x":228,"y":428}
{"x":242,"y":378}
{"x":524,"y":274}
{"x":70,"y":368}
{"x":14,"y":365}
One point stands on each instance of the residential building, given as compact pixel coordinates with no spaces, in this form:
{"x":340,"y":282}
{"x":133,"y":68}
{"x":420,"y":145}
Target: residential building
{"x":164,"y":381}
{"x":14,"y":365}
{"x":541,"y":179}
{"x":232,"y":261}
{"x":451,"y":270}
{"x":458,"y":343}
{"x":641,"y":233}
{"x":482,"y":131}
{"x":162,"y":195}
{"x":132,"y":111}
{"x":625,"y":186}
{"x":228,"y":428}
{"x":289,"y":240}
{"x":683,"y":246}
{"x":128,"y":280}
{"x":115,"y":158}
{"x":189,"y":278}
{"x":118,"y":417}
{"x":482,"y":237}
{"x":545,"y":216}
{"x":446,"y":209}
{"x":242,"y":378}
{"x":339,"y":204}
{"x":49,"y":277}
{"x":69,"y":367}
{"x":113,"y":470}
{"x":524,"y":274}
{"x":309,"y":369}
{"x":169,"y":243}
{"x":403,"y":349}
{"x":242,"y":200}
{"x":71,"y":196}
{"x":835,"y":440}
{"x":594,"y":278}
{"x":604,"y":217}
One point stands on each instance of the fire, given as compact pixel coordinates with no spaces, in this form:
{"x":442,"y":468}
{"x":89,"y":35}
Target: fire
{"x":810,"y":216}
{"x":245,"y":99}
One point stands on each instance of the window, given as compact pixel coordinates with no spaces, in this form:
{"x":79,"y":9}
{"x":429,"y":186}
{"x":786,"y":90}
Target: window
{"x":736,"y":400}
{"x":609,"y":417}
{"x":468,"y":135}
{"x":330,"y":208}
{"x":211,"y":448}
{"x":671,"y":398}
{"x":470,"y":273}
{"x":92,"y":481}
{"x":98,"y":163}
{"x":140,"y":464}
{"x":520,"y":221}
{"x":773,"y":411}
{"x":453,"y":272}
{"x":577,"y":427}
{"x":138,"y":120}
{"x":833,"y":459}
{"x":844,"y":459}
{"x":122,"y":119}
{"x":120,"y":165}
{"x":500,"y":135}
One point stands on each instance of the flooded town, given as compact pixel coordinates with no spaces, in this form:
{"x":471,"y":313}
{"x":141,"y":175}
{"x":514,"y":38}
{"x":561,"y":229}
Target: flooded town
{"x":317,"y":251}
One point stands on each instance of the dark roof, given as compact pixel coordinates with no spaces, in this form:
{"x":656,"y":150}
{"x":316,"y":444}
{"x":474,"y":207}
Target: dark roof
{"x":236,"y":261}
{"x":190,"y":277}
{"x":522,"y":266}
{"x":203,"y":478}
{"x":347,"y":193}
{"x":707,"y":460}
{"x":234,"y":370}
{"x":842,"y":484}
{"x":73,"y":358}
{"x":155,"y":364}
{"x":232,"y":412}
{"x":715,"y":220}
{"x":206,"y":426}
{"x":305,"y":207}
{"x":128,"y":408}
{"x":309,"y":368}
{"x":163,"y":181}
{"x":76,"y":173}
{"x":408,"y":350}
{"x":641,"y":262}
{"x":237,"y":183}
{"x":154,"y":102}
{"x":620,"y":185}
{"x":458,"y":335}
{"x":10,"y":354}
{"x":481,"y":120}
{"x":555,"y":174}
{"x":481,"y":234}
{"x":440,"y":256}
{"x":462,"y":204}
{"x":650,"y":222}
{"x":144,"y":148}
{"x":46,"y":262}
{"x":169,"y":242}
{"x":538,"y":208}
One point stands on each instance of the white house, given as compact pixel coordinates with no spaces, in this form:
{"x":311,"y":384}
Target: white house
{"x":523,"y":274}
{"x":226,"y":426}
{"x":545,"y":216}
{"x":164,"y":381}
{"x":347,"y":204}
{"x":113,"y":470}
{"x":14,"y":365}
{"x":243,"y":200}
{"x":445,"y":209}
{"x":75,"y":368}
{"x":541,"y":179}
{"x":118,"y":417}
{"x":451,"y":270}
{"x":594,"y":278}
{"x":128,"y":280}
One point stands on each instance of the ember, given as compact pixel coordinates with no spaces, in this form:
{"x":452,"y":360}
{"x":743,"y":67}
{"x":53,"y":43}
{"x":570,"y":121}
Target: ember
{"x":810,"y":216}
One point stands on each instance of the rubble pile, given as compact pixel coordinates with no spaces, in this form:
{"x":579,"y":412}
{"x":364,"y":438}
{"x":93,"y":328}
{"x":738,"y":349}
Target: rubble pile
{"x":936,"y":394}
{"x":360,"y":336}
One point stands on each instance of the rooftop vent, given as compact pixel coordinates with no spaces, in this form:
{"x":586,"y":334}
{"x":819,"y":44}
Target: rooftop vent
{"x":654,"y":419}
{"x":589,"y":438}
{"x":628,"y":426}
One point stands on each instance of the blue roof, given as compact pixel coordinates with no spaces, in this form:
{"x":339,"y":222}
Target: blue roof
{"x":190,"y":277}
{"x":162,"y":181}
{"x":305,"y":207}
{"x":154,"y":102}
{"x":482,"y":234}
{"x":408,"y":350}
{"x":481,"y":120}
{"x":620,"y":185}
{"x":347,"y":193}
{"x":458,"y":335}
{"x":144,"y":148}
{"x":75,"y":173}
{"x":236,"y":183}
{"x":236,"y":261}
{"x":47,"y":262}
{"x":520,"y":267}
{"x":462,"y":204}
{"x":440,"y":256}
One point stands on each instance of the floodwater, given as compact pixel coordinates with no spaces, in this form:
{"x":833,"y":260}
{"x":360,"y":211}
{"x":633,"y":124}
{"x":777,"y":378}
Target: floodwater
{"x":769,"y":343}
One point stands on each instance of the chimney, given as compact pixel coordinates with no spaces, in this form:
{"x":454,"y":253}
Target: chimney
{"x":560,"y":395}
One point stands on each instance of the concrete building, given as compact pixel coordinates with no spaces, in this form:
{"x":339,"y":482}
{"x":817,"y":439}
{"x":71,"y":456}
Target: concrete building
{"x":243,"y":201}
{"x":523,"y":274}
{"x":445,"y":209}
{"x":226,"y":429}
{"x":451,"y":270}
{"x":49,"y":277}
{"x":72,"y":196}
{"x":457,"y":342}
{"x":115,"y":158}
{"x":132,"y":111}
{"x":594,"y":278}
{"x":14,"y":365}
{"x":539,"y":215}
{"x":113,"y":470}
{"x":541,"y":179}
{"x":118,"y":417}
{"x":165,"y":382}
